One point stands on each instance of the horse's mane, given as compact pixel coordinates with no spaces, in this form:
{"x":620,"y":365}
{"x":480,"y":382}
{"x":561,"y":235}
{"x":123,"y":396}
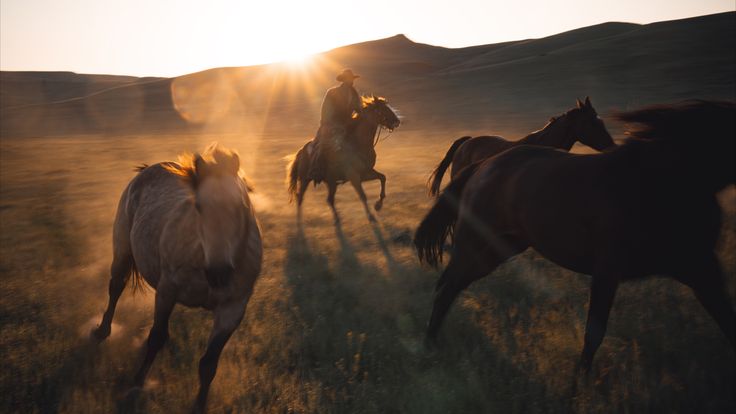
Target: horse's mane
{"x":679,"y":122}
{"x":552,"y":120}
{"x":214,"y":160}
{"x":367,"y":101}
{"x":569,"y":112}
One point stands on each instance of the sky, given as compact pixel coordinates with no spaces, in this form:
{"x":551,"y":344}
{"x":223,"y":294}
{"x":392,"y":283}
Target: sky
{"x":171,"y":38}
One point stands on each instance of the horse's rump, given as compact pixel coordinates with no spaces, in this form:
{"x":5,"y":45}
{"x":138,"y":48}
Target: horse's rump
{"x":435,"y":178}
{"x":437,"y":225}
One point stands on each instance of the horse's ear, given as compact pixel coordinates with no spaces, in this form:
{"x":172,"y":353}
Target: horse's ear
{"x":587,"y":102}
{"x":233,"y":166}
{"x":199,"y":163}
{"x":200,"y":166}
{"x":579,"y":103}
{"x":229,"y":162}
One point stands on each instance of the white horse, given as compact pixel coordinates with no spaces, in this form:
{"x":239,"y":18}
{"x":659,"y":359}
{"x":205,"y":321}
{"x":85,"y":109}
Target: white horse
{"x":189,"y":230}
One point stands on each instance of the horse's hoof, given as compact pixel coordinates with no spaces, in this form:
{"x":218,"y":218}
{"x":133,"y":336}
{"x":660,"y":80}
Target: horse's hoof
{"x":379,"y":205}
{"x":100,"y":333}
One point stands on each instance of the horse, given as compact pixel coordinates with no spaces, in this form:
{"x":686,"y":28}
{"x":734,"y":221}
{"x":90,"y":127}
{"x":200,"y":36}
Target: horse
{"x":188,"y":229}
{"x":646,"y":207}
{"x":353,"y":164}
{"x":577,"y":124}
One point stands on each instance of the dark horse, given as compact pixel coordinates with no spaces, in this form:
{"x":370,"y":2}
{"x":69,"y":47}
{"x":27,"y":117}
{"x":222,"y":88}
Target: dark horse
{"x":578,"y":124}
{"x":354,"y":163}
{"x":646,"y":207}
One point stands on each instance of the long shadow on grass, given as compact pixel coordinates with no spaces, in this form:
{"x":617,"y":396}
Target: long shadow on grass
{"x":384,"y":246}
{"x":363,"y":334}
{"x":348,"y":258}
{"x":76,"y":364}
{"x":531,"y":308}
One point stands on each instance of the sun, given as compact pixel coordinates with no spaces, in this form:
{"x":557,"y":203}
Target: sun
{"x":299,"y":60}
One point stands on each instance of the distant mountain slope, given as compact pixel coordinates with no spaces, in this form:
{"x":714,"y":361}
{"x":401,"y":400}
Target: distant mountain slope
{"x":399,"y":49}
{"x":691,"y":58}
{"x":28,"y":88}
{"x":540,"y":47}
{"x":512,"y":86}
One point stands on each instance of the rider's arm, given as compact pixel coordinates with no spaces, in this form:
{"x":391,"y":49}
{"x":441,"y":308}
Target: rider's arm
{"x":328,"y":107}
{"x":357,"y":101}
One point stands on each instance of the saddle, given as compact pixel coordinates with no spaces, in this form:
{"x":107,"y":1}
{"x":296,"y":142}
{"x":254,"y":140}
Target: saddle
{"x":321,"y":147}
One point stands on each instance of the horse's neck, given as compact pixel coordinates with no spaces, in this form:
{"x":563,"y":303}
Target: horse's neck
{"x":364,"y":133}
{"x":557,"y":134}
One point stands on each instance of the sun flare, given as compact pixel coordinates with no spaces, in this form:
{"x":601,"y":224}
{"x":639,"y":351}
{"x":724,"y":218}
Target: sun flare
{"x":299,"y":60}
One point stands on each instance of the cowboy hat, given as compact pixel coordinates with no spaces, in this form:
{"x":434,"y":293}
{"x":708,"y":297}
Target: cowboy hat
{"x":347,"y":74}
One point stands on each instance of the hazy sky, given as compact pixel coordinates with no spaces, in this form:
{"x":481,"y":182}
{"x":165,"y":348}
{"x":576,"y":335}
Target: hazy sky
{"x":169,"y":38}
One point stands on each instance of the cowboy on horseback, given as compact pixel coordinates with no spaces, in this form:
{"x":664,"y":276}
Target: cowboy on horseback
{"x":338,"y":109}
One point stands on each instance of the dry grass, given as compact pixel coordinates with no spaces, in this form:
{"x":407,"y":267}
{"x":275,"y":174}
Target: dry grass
{"x":336,"y":322}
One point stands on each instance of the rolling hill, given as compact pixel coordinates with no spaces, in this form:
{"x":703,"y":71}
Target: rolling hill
{"x":474,"y":89}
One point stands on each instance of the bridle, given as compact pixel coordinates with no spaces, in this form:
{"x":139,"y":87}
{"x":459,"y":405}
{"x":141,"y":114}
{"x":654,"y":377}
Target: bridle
{"x":377,"y":137}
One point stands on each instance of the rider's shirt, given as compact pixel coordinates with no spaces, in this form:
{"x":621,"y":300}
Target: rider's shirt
{"x":339,"y":104}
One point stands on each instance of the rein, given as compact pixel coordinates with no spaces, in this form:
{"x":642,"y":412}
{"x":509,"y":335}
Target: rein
{"x":377,"y":139}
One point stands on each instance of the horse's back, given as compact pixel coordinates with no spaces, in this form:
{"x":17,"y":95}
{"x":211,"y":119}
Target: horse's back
{"x":573,"y":208}
{"x":517,"y":160}
{"x":513,"y":174}
{"x":477,"y":149}
{"x":532,"y":195}
{"x":145,"y":207}
{"x":153,"y":183}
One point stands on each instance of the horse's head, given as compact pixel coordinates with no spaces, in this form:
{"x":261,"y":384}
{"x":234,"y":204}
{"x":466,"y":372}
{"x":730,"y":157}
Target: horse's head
{"x":702,"y":134}
{"x":376,"y":109}
{"x":221,"y":203}
{"x":589,"y":128}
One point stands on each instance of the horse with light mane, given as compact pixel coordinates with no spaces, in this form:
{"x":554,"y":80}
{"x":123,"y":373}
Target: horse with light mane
{"x":189,"y":230}
{"x":647,"y":207}
{"x":580,"y":124}
{"x":354,"y":163}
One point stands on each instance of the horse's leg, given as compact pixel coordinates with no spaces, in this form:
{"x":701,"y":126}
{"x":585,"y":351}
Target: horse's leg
{"x":710,"y":290}
{"x":375,"y":175}
{"x":122,"y":264}
{"x":304,"y":178}
{"x":159,"y":334}
{"x":227,"y":319}
{"x":355,"y":182}
{"x":602,"y":291}
{"x":331,"y":190}
{"x":472,"y":258}
{"x":303,"y":185}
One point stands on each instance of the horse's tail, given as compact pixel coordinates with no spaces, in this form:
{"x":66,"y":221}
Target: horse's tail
{"x":136,"y":279}
{"x":292,"y":171}
{"x":435,"y":179}
{"x":438,"y":223}
{"x":124,"y":268}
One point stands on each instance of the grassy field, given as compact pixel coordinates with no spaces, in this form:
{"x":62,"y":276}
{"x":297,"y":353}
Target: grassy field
{"x":336,"y":321}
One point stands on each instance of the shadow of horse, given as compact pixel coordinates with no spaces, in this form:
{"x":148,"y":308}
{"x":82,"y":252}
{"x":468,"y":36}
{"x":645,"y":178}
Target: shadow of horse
{"x":57,"y":387}
{"x":360,"y":323}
